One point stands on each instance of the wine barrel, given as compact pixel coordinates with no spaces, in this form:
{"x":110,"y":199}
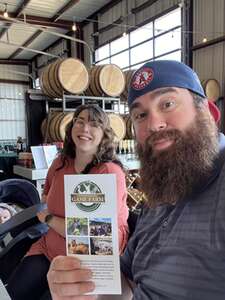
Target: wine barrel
{"x":58,"y":122}
{"x":128,"y":75}
{"x":73,"y":75}
{"x":211,"y":88}
{"x":43,"y":128}
{"x":52,"y":78}
{"x":129,"y":127}
{"x":118,"y":125}
{"x":106,"y":80}
{"x":64,"y":75}
{"x":53,"y":126}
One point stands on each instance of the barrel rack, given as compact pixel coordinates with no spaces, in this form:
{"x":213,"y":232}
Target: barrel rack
{"x":102,"y":101}
{"x":77,"y":100}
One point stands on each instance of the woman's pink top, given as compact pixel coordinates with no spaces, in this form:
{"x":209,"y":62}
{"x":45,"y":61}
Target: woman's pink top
{"x":53,"y":244}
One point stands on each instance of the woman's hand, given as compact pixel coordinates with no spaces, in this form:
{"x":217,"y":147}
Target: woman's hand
{"x":68,"y":280}
{"x":42,"y":214}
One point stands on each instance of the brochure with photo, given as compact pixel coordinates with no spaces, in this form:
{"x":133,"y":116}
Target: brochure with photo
{"x":92,"y":229}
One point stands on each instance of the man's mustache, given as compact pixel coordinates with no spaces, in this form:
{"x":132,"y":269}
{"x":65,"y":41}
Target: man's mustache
{"x":155,"y":136}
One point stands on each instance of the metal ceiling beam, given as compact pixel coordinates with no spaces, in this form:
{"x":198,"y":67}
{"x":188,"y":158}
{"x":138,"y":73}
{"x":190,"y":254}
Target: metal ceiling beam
{"x":70,"y":4}
{"x":29,"y":49}
{"x":43,"y":29}
{"x":54,"y":19}
{"x":17,"y":14}
{"x":14,"y":62}
{"x":36,"y":20}
{"x":101,"y":10}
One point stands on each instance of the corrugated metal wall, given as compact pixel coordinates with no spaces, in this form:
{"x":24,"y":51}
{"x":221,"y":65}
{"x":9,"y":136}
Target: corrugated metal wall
{"x":209,"y":62}
{"x":208,"y":21}
{"x":12,"y":103}
{"x":59,"y":49}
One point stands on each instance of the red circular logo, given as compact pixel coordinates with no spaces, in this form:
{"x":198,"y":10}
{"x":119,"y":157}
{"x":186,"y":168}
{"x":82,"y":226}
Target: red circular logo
{"x":142,"y":78}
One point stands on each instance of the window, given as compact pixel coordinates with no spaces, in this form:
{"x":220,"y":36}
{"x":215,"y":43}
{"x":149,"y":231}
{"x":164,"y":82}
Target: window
{"x":160,"y":39}
{"x":102,"y":52}
{"x":168,"y":21}
{"x":141,"y":53}
{"x":173,"y":56}
{"x":103,"y":62}
{"x":122,"y":59}
{"x":141,"y":34}
{"x":168,"y":41}
{"x":119,"y":44}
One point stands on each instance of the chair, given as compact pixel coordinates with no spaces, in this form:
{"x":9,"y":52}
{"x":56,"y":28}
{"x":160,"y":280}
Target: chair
{"x":21,"y":230}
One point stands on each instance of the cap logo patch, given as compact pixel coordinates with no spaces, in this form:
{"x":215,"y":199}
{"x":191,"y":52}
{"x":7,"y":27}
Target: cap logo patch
{"x":142,"y":78}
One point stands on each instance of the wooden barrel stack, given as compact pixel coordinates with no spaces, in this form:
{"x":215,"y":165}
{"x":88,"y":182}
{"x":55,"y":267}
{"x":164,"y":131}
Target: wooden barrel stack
{"x":128,"y":75}
{"x":118,"y":125}
{"x":106,"y":80}
{"x":211,"y":88}
{"x":53,"y":127}
{"x":129,"y":127}
{"x":68,"y":75}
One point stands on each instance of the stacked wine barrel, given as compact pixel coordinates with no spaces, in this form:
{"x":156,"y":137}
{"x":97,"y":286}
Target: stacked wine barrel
{"x":128,"y":75}
{"x":129,"y":127}
{"x":53,"y":127}
{"x":118,"y":125}
{"x":211,"y":88}
{"x":71,"y":76}
{"x":64,"y":75}
{"x":106,"y":80}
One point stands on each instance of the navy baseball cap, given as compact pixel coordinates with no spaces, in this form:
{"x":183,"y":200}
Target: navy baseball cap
{"x":166,"y":73}
{"x":163,"y":73}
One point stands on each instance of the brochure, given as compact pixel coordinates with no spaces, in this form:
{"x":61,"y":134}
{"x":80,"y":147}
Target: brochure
{"x":43,"y":156}
{"x":92,"y":229}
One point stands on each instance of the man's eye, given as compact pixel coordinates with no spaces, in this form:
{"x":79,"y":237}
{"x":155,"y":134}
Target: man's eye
{"x":140,"y":116}
{"x":168,"y":104}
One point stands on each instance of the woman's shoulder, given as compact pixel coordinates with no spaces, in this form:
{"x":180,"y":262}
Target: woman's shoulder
{"x":57,"y":162}
{"x":110,"y":167}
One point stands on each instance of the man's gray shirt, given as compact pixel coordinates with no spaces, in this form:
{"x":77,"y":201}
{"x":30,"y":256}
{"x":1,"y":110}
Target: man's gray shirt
{"x":178,"y":252}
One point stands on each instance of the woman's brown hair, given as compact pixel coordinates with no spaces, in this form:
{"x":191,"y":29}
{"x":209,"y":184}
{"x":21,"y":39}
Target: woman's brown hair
{"x":106,"y":149}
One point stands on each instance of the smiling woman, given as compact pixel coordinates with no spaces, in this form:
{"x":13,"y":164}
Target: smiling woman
{"x":89,"y":147}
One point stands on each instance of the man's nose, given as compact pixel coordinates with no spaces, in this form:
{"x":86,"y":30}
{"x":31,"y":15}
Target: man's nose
{"x":156,"y":122}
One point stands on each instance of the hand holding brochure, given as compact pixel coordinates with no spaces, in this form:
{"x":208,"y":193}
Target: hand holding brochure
{"x":92,"y":229}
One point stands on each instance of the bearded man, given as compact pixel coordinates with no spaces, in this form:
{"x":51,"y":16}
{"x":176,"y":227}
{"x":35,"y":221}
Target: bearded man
{"x":177,"y":251}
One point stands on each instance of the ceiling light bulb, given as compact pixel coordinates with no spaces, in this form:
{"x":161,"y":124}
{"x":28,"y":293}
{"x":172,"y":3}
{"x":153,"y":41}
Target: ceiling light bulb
{"x":5,"y":14}
{"x":204,"y":40}
{"x":74,"y":27}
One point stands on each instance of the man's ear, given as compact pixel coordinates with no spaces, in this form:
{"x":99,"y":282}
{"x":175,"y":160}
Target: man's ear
{"x":214,"y":110}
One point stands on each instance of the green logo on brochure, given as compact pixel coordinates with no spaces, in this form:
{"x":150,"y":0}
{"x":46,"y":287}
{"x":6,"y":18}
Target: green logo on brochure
{"x":87,"y":196}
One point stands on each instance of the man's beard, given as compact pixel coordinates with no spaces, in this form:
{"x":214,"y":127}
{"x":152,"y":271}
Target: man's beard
{"x":171,"y":174}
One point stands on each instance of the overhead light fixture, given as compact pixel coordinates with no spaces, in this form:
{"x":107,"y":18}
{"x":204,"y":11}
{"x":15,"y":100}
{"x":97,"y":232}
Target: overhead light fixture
{"x":5,"y":14}
{"x":204,"y":40}
{"x":74,"y":27}
{"x":181,"y":4}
